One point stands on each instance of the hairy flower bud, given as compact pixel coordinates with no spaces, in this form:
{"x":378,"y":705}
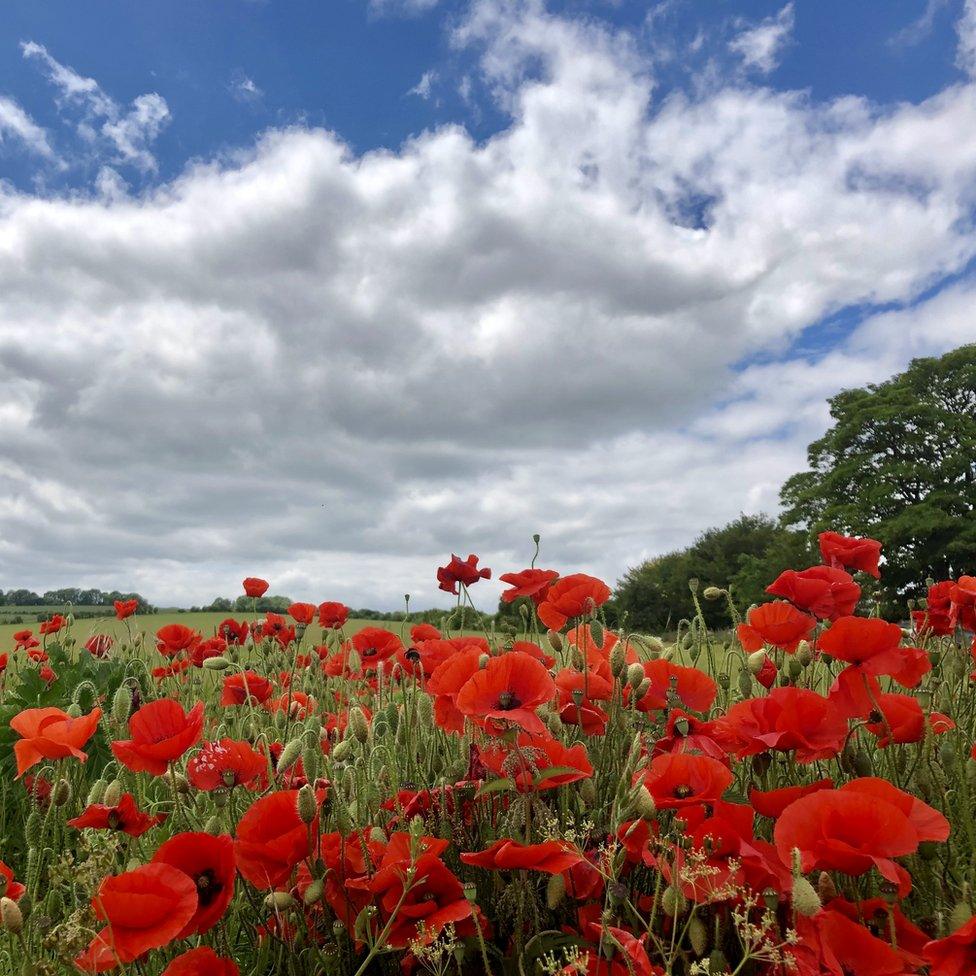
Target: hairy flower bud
{"x":314,"y":892}
{"x":97,"y":792}
{"x":555,"y":890}
{"x":644,"y":804}
{"x":618,"y":659}
{"x":307,"y":806}
{"x":217,"y":663}
{"x":697,"y":930}
{"x":278,"y":901}
{"x":11,"y":916}
{"x":826,"y":889}
{"x":122,"y":703}
{"x":635,"y":675}
{"x":555,"y":640}
{"x":289,"y":755}
{"x":342,"y":750}
{"x":61,"y":793}
{"x":113,"y":792}
{"x":755,"y":661}
{"x":806,"y":901}
{"x":358,"y":725}
{"x":596,"y":632}
{"x":673,"y":902}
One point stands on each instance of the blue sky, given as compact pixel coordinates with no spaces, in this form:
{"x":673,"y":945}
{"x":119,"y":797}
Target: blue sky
{"x":323,"y":292}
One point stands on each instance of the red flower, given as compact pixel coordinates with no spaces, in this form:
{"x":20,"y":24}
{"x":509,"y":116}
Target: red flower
{"x":825,"y":592}
{"x":531,"y":583}
{"x":125,"y":608}
{"x":374,"y":644}
{"x":572,"y":596}
{"x":901,"y":719}
{"x":528,"y":764}
{"x":208,"y":861}
{"x":53,"y":625}
{"x":174,"y":638}
{"x":507,"y":691}
{"x":99,"y":645}
{"x":463,"y":571}
{"x":963,"y":603}
{"x":161,"y":732}
{"x":422,"y":632}
{"x":771,"y":803}
{"x":271,"y":840}
{"x":549,"y":857}
{"x":145,"y":909}
{"x":234,"y":632}
{"x":937,"y":617}
{"x":851,"y":552}
{"x":211,"y":647}
{"x":673,"y":684}
{"x":201,"y":962}
{"x":766,"y":675}
{"x":227,"y":763}
{"x":276,"y":628}
{"x":49,"y":733}
{"x":955,"y":955}
{"x":48,"y":674}
{"x":786,"y":720}
{"x":124,"y":816}
{"x":8,"y":887}
{"x":576,"y":694}
{"x":255,"y":587}
{"x":24,"y":639}
{"x":445,"y":683}
{"x":679,"y":779}
{"x":302,"y":613}
{"x":245,"y":687}
{"x":778,"y":623}
{"x":830,"y":943}
{"x":333,"y":616}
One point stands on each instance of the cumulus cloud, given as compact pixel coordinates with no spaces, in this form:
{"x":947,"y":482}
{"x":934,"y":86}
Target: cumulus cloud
{"x":760,"y":46}
{"x":16,"y":123}
{"x":130,"y":132}
{"x":333,"y":369}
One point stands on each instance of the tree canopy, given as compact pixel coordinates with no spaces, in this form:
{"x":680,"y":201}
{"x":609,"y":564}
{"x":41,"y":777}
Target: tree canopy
{"x":899,"y":464}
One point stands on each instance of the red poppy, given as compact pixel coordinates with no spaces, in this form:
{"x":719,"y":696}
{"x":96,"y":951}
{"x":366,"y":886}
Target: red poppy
{"x":766,"y":675}
{"x":52,"y":626}
{"x":245,"y":687}
{"x":771,"y":803}
{"x":8,"y":887}
{"x":850,"y":552}
{"x":576,"y":694}
{"x":333,"y":616}
{"x":125,"y":816}
{"x":824,"y":591}
{"x":234,"y":632}
{"x":630,"y":960}
{"x":275,"y":628}
{"x":125,"y":608}
{"x":445,"y":683}
{"x":679,"y":779}
{"x":422,"y":632}
{"x":929,"y":824}
{"x":255,"y":587}
{"x":373,"y":645}
{"x":208,"y":861}
{"x":227,"y":763}
{"x":955,"y":955}
{"x":4,"y":661}
{"x":201,"y":962}
{"x":24,"y":639}
{"x":777,"y":623}
{"x":686,"y":733}
{"x":211,"y":647}
{"x":98,"y":645}
{"x":830,"y":943}
{"x":899,"y":718}
{"x":937,"y":618}
{"x":302,"y":613}
{"x":174,"y":638}
{"x":537,"y":763}
{"x":49,"y":733}
{"x":786,"y":720}
{"x":424,"y":657}
{"x":145,"y":909}
{"x":530,"y":583}
{"x":178,"y":665}
{"x":963,"y":603}
{"x":48,"y":674}
{"x":549,"y":857}
{"x":673,"y":684}
{"x":507,"y":691}
{"x":271,"y":840}
{"x":463,"y":571}
{"x":161,"y":732}
{"x":572,"y":596}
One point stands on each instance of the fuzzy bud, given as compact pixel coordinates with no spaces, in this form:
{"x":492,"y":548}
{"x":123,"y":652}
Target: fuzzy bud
{"x":278,"y":901}
{"x":342,"y":750}
{"x":635,"y":675}
{"x":11,"y":916}
{"x":697,"y":930}
{"x":555,"y":890}
{"x":313,"y":893}
{"x":745,"y":683}
{"x":555,"y":640}
{"x":96,"y":793}
{"x":289,"y":755}
{"x":804,"y":653}
{"x":113,"y":793}
{"x":218,"y":663}
{"x":755,"y":661}
{"x":961,"y":913}
{"x":673,"y":902}
{"x":587,"y":792}
{"x":618,"y":659}
{"x":307,"y":805}
{"x":642,"y":689}
{"x":121,"y":703}
{"x":826,"y":889}
{"x":61,"y":793}
{"x":806,"y":901}
{"x":358,"y":725}
{"x":644,"y":803}
{"x":213,"y":826}
{"x":596,"y":633}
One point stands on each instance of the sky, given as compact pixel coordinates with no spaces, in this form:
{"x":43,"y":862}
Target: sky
{"x":324,"y":292}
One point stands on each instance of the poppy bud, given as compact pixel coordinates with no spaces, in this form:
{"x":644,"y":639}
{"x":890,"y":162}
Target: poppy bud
{"x":826,"y":889}
{"x":483,"y":660}
{"x":717,"y":963}
{"x":96,"y":793}
{"x":61,"y":793}
{"x":307,"y":806}
{"x":313,"y":892}
{"x":697,"y":930}
{"x":961,"y":913}
{"x":618,"y":659}
{"x":217,"y":663}
{"x":644,"y":803}
{"x":11,"y":916}
{"x":358,"y":725}
{"x":289,"y":755}
{"x":723,"y":680}
{"x":755,"y":661}
{"x":642,"y":689}
{"x":279,"y":900}
{"x":121,"y":703}
{"x":555,"y":640}
{"x":32,"y":831}
{"x":745,"y":683}
{"x":311,"y":754}
{"x":596,"y":632}
{"x":862,"y":763}
{"x":947,"y":753}
{"x":806,"y":901}
{"x":181,"y":783}
{"x":113,"y":793}
{"x":693,"y":584}
{"x":635,"y":675}
{"x":587,"y":792}
{"x":804,"y":653}
{"x":673,"y":902}
{"x":713,"y":593}
{"x":555,"y":890}
{"x":342,"y":750}
{"x":793,"y":668}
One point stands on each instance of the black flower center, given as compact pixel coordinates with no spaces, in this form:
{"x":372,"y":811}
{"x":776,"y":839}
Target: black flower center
{"x":208,"y":887}
{"x":507,"y":701}
{"x":682,"y":791}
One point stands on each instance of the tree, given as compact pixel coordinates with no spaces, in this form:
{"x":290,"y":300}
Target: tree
{"x":899,"y":464}
{"x":747,"y":554}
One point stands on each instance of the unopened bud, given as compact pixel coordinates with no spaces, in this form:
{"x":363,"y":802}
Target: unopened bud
{"x":121,"y":703}
{"x":555,"y":640}
{"x":755,"y":661}
{"x":11,"y":916}
{"x":713,"y":593}
{"x":644,"y":803}
{"x":61,"y":793}
{"x":635,"y":675}
{"x":307,"y":805}
{"x":278,"y":901}
{"x":342,"y":750}
{"x":826,"y":889}
{"x":806,"y":901}
{"x":217,"y":663}
{"x":596,"y":633}
{"x":697,"y":930}
{"x":673,"y":902}
{"x":113,"y":793}
{"x":313,"y":893}
{"x":555,"y":890}
{"x":587,"y":792}
{"x":289,"y":755}
{"x":358,"y":725}
{"x":96,"y":793}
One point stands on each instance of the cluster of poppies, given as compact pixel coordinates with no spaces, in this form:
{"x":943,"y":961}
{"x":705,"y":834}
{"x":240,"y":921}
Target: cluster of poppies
{"x":559,"y":798}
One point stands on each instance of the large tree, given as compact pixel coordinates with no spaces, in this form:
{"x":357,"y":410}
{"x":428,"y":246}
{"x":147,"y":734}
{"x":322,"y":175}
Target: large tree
{"x":899,"y":464}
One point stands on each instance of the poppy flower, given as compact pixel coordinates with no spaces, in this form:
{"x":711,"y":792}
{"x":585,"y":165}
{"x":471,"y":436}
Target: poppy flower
{"x":576,"y":697}
{"x":929,"y":824}
{"x":48,"y":674}
{"x":4,"y":661}
{"x":786,"y":720}
{"x":445,"y":683}
{"x":777,"y":623}
{"x":49,"y":733}
{"x":347,"y":857}
{"x":234,"y":632}
{"x":673,"y":684}
{"x":424,"y":657}
{"x":422,"y":632}
{"x":766,"y":675}
{"x":271,"y":840}
{"x":245,"y":687}
{"x":302,"y":613}
{"x":507,"y":690}
{"x":52,"y":626}
{"x":463,"y":571}
{"x":145,"y":909}
{"x":824,"y":591}
{"x":174,"y":638}
{"x":201,"y":962}
{"x":630,"y":960}
{"x":683,"y":732}
{"x":831,"y":943}
{"x":161,"y":732}
{"x":850,"y":552}
{"x":211,"y":647}
{"x":227,"y":763}
{"x":549,"y":857}
{"x":899,"y":718}
{"x":332,"y":615}
{"x":8,"y":887}
{"x":98,"y":645}
{"x":530,"y":583}
{"x":275,"y":628}
{"x":24,"y":639}
{"x":955,"y":955}
{"x":678,"y":779}
{"x":572,"y":596}
{"x":962,"y":597}
{"x":124,"y":816}
{"x":373,"y":645}
{"x":255,"y":587}
{"x":208,"y":861}
{"x":528,"y":764}
{"x":771,"y":803}
{"x":937,"y":618}
{"x":125,"y":608}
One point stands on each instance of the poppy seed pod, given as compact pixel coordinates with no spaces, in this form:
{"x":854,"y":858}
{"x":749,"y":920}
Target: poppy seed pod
{"x":11,"y":916}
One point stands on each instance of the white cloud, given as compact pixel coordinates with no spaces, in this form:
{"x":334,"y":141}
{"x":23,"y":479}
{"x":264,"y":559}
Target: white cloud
{"x":14,"y":121}
{"x":333,"y":369}
{"x":245,"y":89}
{"x":761,"y":46}
{"x":966,"y":29}
{"x":921,"y":27}
{"x":130,"y":133}
{"x":423,"y":87}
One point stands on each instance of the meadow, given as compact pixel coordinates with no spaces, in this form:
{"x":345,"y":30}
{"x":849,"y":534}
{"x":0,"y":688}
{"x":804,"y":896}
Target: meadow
{"x":215,"y":795}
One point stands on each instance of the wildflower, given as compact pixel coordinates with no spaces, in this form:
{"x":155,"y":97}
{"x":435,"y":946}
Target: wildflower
{"x":937,"y":618}
{"x":777,"y":623}
{"x":245,"y":687}
{"x":255,"y":587}
{"x":201,"y":962}
{"x":955,"y":955}
{"x":49,"y":733}
{"x":161,"y":732}
{"x":98,"y":645}
{"x":830,"y":942}
{"x":549,"y":857}
{"x":302,"y":613}
{"x":850,"y":552}
{"x":532,"y":757}
{"x":175,"y":638}
{"x":52,"y":626}
{"x":824,"y":591}
{"x":123,"y":816}
{"x":530,"y":583}
{"x":507,"y":691}
{"x":208,"y":861}
{"x":234,"y":632}
{"x":8,"y":887}
{"x":572,"y":596}
{"x":771,"y":803}
{"x":333,"y":616}
{"x":271,"y":839}
{"x":899,"y":718}
{"x":673,"y":684}
{"x":125,"y":608}
{"x":226,"y":764}
{"x":463,"y":571}
{"x":677,"y":780}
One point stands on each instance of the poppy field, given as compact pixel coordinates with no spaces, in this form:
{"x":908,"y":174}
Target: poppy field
{"x":796,"y":795}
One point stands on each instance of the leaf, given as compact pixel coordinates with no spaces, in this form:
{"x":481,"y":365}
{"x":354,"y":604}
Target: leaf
{"x":496,"y":786}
